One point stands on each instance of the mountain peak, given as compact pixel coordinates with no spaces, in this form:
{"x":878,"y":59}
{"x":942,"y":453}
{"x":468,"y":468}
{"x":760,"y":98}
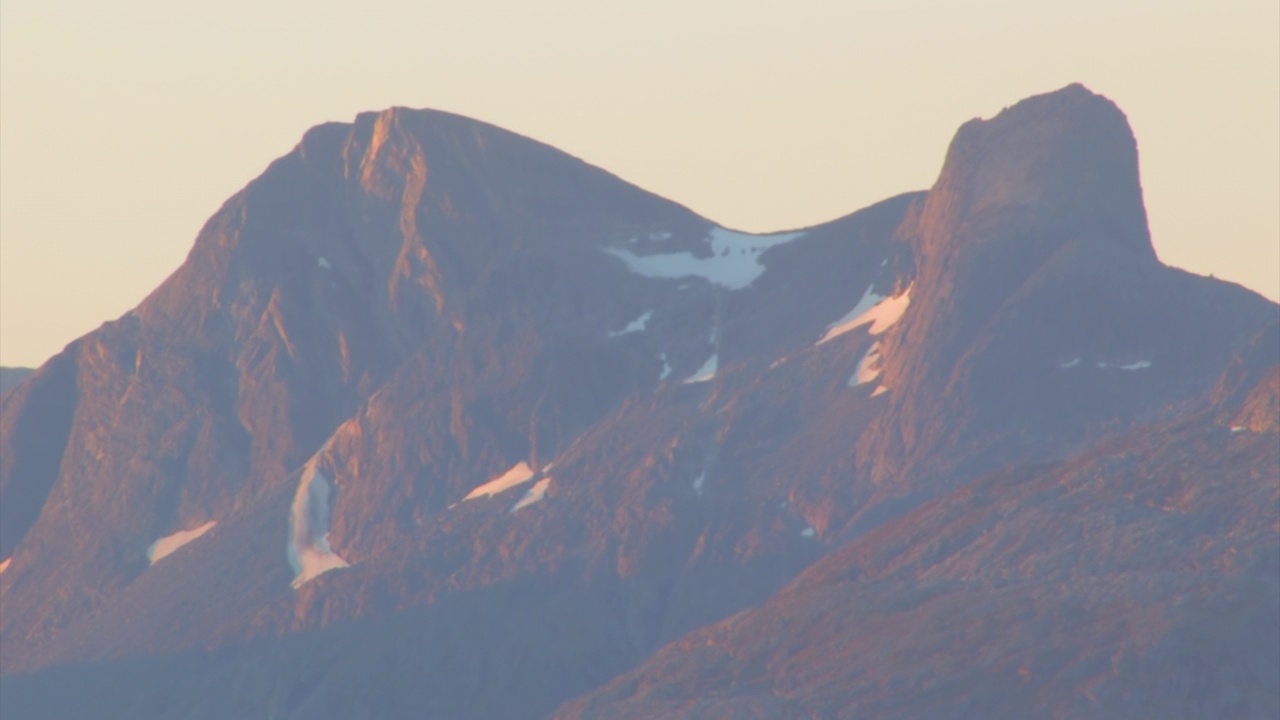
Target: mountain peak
{"x":1039,"y":206}
{"x":1053,"y":176}
{"x":461,"y":167}
{"x":1067,"y":158}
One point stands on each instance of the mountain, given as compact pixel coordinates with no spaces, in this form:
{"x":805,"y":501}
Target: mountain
{"x":435,"y":419}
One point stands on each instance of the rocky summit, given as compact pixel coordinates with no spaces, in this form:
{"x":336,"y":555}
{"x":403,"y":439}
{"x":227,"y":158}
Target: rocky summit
{"x":438,"y":421}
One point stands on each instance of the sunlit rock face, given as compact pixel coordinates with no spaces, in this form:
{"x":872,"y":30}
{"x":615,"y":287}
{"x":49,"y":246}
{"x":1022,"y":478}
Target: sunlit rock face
{"x":1261,"y":411}
{"x":438,"y":420}
{"x":1032,"y":252}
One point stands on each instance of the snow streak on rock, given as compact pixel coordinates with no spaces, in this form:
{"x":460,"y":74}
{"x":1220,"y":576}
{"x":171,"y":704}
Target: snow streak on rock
{"x":1104,"y":365}
{"x":535,"y":494}
{"x":309,"y":552}
{"x":166,"y":545}
{"x":709,"y":368}
{"x":846,"y":323}
{"x":734,"y":263}
{"x":881,"y":312}
{"x":706,"y":372}
{"x":636,"y":325}
{"x":518,"y":474}
{"x":868,"y":367}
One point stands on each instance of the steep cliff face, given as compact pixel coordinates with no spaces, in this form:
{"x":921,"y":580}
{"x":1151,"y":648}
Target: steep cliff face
{"x":1040,"y":318}
{"x":437,"y":418}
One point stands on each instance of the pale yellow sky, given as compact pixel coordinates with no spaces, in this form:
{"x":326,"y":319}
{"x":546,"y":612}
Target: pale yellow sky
{"x":124,"y":125}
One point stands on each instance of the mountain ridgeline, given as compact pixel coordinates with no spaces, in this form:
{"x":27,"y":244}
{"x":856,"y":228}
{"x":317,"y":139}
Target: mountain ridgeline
{"x":438,"y":421}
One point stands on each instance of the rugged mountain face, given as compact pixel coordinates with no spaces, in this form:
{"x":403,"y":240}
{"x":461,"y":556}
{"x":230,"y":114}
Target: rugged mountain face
{"x":1040,"y":317}
{"x":1137,"y":580}
{"x":437,"y":419}
{"x":303,"y":296}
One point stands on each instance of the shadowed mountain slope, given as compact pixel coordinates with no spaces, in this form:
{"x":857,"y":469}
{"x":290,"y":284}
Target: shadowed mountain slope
{"x":1139,"y":580}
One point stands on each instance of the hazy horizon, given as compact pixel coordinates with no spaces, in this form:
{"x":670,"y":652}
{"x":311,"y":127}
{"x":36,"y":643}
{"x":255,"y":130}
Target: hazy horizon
{"x":123,"y":128}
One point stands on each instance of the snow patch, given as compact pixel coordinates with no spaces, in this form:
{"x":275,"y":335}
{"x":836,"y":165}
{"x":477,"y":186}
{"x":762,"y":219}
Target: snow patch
{"x":1069,"y":363}
{"x":844,"y":324}
{"x":809,"y":532}
{"x":636,"y":325}
{"x":698,"y":483}
{"x":1234,"y":429}
{"x":706,"y":372}
{"x":880,"y":311}
{"x":309,"y":552}
{"x":880,"y":390}
{"x":165,"y":546}
{"x":519,"y":473}
{"x":868,"y":367}
{"x":1103,"y":365}
{"x":666,"y":367}
{"x":5,"y":565}
{"x":324,"y":264}
{"x":734,"y":262}
{"x":535,"y":494}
